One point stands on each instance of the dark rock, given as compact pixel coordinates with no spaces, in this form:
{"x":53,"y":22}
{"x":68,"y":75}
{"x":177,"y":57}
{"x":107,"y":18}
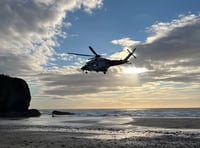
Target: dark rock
{"x":55,"y":112}
{"x":15,"y":98}
{"x":28,"y":113}
{"x":32,"y":113}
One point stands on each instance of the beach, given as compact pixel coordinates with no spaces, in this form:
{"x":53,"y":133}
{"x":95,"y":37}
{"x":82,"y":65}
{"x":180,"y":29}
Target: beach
{"x":139,"y":133}
{"x":176,"y":123}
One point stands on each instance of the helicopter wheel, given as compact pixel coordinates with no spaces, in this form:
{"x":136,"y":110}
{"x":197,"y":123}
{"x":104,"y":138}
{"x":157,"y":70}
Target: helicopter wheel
{"x":104,"y":72}
{"x":86,"y":72}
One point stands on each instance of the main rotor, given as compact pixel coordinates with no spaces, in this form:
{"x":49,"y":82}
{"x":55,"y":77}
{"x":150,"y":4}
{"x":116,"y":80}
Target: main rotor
{"x":88,"y":55}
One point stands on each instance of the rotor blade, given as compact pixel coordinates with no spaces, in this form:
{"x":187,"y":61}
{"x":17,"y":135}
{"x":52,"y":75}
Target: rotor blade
{"x":93,"y":51}
{"x":87,"y":55}
{"x":132,"y":52}
{"x":129,"y":51}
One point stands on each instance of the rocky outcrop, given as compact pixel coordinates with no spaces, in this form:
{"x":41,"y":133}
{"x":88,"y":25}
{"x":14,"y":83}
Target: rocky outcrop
{"x":55,"y":112}
{"x":15,"y":97}
{"x":28,"y":113}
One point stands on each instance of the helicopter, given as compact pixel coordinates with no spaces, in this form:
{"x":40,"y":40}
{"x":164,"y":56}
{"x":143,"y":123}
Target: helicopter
{"x":99,"y":64}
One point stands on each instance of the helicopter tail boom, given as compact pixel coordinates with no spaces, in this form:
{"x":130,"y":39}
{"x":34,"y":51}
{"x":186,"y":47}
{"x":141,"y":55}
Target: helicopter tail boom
{"x":125,"y":60}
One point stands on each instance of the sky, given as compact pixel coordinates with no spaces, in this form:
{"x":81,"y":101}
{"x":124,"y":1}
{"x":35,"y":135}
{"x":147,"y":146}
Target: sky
{"x":36,"y":35}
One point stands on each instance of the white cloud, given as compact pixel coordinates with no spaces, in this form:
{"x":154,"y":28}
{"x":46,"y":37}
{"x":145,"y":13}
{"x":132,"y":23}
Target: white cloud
{"x":91,"y":4}
{"x":162,"y":29}
{"x":28,"y":31}
{"x":125,"y":42}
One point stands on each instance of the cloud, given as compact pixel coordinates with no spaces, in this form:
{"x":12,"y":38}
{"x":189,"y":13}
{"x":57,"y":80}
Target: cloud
{"x":162,"y":29}
{"x":172,"y":52}
{"x":80,"y":83}
{"x":91,"y":4}
{"x":28,"y":31}
{"x":125,"y":42}
{"x":171,"y":60}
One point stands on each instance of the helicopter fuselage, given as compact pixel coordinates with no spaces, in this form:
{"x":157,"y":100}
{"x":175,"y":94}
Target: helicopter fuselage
{"x":97,"y":64}
{"x":101,"y":64}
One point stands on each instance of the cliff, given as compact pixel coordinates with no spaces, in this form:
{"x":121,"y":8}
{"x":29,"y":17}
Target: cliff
{"x":15,"y":97}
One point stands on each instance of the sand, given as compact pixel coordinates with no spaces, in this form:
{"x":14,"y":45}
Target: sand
{"x":184,"y":133}
{"x":185,"y":123}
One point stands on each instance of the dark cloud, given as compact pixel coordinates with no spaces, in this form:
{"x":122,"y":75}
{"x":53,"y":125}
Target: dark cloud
{"x":79,"y":84}
{"x":173,"y":57}
{"x":17,"y":65}
{"x":180,"y":43}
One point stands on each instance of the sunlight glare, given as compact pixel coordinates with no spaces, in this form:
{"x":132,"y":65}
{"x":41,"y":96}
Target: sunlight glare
{"x":130,"y":70}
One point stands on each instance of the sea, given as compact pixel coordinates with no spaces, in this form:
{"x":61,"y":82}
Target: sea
{"x":135,"y":113}
{"x":101,"y":122}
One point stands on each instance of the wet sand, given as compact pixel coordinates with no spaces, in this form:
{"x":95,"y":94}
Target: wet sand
{"x":159,"y":137}
{"x":184,"y":123}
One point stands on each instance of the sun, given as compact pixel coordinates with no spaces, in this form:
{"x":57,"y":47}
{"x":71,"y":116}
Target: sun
{"x":136,"y":70}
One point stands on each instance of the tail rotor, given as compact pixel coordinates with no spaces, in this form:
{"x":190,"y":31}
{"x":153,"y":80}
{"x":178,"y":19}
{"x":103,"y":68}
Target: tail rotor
{"x":132,"y":52}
